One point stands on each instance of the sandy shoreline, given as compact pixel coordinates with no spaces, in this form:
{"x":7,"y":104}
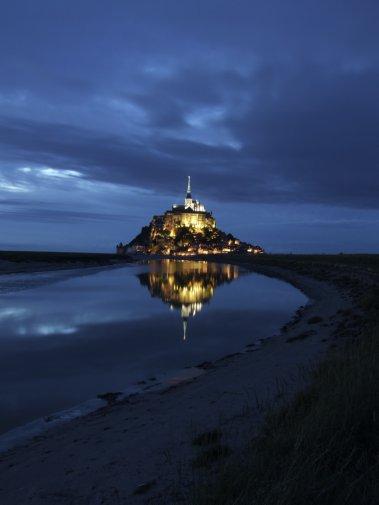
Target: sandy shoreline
{"x":147,"y":440}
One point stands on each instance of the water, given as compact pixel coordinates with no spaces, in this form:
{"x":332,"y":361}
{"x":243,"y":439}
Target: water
{"x":64,"y":342}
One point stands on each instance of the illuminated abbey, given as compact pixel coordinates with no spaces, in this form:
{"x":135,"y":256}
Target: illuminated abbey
{"x":185,"y":230}
{"x":191,"y":215}
{"x":189,"y":202}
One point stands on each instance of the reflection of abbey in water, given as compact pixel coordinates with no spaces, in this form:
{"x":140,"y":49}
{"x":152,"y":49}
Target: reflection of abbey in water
{"x":186,"y":285}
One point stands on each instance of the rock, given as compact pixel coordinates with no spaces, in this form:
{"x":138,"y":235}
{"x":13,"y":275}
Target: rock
{"x":145,"y":487}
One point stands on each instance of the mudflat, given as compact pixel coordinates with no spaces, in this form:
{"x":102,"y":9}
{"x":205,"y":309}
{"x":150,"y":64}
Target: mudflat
{"x":147,"y":448}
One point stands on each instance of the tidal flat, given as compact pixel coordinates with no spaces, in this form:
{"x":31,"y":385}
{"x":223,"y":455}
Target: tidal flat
{"x":146,"y":447}
{"x":72,"y":335}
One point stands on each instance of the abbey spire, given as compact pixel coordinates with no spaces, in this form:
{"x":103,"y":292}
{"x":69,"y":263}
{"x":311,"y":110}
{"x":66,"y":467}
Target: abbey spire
{"x":189,"y":202}
{"x":189,"y":187}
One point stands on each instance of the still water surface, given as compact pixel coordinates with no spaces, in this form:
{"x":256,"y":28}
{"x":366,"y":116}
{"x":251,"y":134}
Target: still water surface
{"x":66,"y":341}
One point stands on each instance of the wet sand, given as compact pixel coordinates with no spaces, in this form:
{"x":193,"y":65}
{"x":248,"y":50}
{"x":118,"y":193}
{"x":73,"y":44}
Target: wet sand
{"x":140,"y":450}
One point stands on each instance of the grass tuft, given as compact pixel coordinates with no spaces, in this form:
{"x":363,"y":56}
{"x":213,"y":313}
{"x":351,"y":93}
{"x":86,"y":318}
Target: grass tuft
{"x":321,"y":449}
{"x":208,"y":437}
{"x":211,"y":455}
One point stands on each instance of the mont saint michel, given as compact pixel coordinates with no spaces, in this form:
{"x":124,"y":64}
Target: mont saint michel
{"x":189,"y":257}
{"x":187,"y":229}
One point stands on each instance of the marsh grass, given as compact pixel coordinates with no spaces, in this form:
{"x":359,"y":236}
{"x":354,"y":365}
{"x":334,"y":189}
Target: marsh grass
{"x":207,"y":437}
{"x":208,"y":456}
{"x":320,"y":449}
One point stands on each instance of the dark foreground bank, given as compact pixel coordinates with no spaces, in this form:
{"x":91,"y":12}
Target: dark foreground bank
{"x":36,"y":261}
{"x":323,"y":447}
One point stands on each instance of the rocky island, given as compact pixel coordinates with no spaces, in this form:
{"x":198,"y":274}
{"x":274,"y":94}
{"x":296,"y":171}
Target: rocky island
{"x":185,"y":230}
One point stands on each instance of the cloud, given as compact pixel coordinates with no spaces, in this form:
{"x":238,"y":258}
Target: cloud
{"x":304,"y":134}
{"x":270,"y":103}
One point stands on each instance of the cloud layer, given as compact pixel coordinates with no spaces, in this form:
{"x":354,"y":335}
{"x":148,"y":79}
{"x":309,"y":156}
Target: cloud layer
{"x":262,"y":104}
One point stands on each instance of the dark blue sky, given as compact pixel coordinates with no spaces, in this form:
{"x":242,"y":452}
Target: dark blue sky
{"x":272,"y":107}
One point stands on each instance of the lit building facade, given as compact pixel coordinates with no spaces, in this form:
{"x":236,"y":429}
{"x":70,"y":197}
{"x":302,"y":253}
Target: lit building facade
{"x":191,"y":214}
